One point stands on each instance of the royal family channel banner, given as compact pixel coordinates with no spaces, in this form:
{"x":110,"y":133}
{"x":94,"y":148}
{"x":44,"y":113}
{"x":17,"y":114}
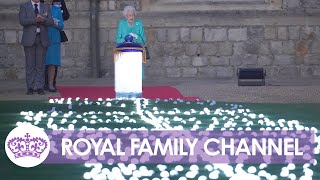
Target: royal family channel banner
{"x":155,"y":147}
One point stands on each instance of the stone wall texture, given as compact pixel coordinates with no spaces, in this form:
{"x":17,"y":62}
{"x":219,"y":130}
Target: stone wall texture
{"x":211,"y":40}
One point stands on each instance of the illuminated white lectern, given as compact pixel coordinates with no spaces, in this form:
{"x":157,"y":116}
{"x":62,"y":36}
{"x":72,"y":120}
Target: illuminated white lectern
{"x":128,"y":58}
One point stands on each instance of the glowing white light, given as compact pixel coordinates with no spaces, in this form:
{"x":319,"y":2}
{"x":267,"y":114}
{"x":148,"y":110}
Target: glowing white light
{"x":244,"y":120}
{"x":71,"y":127}
{"x":54,"y":114}
{"x":164,"y":174}
{"x":87,"y":175}
{"x":191,"y":174}
{"x":64,"y":120}
{"x":291,"y":166}
{"x":252,"y":170}
{"x":263,"y":165}
{"x":54,"y":127}
{"x":179,"y":168}
{"x":182,"y":178}
{"x":214,"y":175}
{"x":292,"y":176}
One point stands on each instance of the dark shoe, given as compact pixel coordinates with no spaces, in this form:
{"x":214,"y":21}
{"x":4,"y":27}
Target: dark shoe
{"x":40,"y":91}
{"x":30,"y":92}
{"x":52,"y":90}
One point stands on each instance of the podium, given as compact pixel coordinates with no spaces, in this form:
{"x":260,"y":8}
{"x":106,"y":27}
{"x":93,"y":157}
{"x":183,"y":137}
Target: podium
{"x":128,"y":59}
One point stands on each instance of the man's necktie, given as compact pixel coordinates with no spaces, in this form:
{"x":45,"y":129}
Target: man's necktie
{"x":36,"y":10}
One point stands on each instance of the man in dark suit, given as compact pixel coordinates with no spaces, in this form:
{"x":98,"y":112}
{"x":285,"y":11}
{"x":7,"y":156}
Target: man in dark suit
{"x":35,"y":17}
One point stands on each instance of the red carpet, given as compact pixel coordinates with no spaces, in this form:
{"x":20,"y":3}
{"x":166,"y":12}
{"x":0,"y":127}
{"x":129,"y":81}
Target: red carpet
{"x":95,"y":92}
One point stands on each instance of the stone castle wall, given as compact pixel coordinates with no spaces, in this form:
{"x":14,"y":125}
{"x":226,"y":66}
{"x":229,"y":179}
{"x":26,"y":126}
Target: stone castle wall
{"x":209,"y":39}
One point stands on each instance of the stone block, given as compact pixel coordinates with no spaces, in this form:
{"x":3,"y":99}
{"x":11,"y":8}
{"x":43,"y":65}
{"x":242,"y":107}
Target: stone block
{"x":270,"y":33}
{"x":265,"y":60}
{"x":208,"y":72}
{"x":283,"y":33}
{"x":20,"y":33}
{"x":255,"y":34}
{"x":306,"y":71}
{"x":183,"y":61}
{"x":3,"y":51}
{"x":71,"y":50}
{"x":81,"y":35}
{"x":15,"y":51}
{"x":209,"y":49}
{"x":284,"y":60}
{"x":294,"y":32}
{"x":252,"y":47}
{"x":225,"y":72}
{"x":189,"y":72}
{"x":239,"y":48}
{"x":215,"y":34}
{"x":112,"y":35}
{"x":104,"y":35}
{"x":293,"y":4}
{"x":174,"y":49}
{"x":288,"y":72}
{"x":169,"y":61}
{"x":162,"y":35}
{"x":2,"y":37}
{"x":315,"y":47}
{"x":225,"y":49}
{"x":312,"y":59}
{"x":276,"y":47}
{"x":173,"y":35}
{"x":200,"y":61}
{"x":10,"y":36}
{"x":71,"y":5}
{"x":192,"y":49}
{"x":173,"y":72}
{"x":316,"y":71}
{"x":112,"y":5}
{"x":104,"y":5}
{"x":220,"y":61}
{"x":239,"y":34}
{"x":236,"y":60}
{"x":196,"y":34}
{"x":84,"y":50}
{"x":83,"y":5}
{"x":288,"y":47}
{"x":264,"y":48}
{"x":155,"y":73}
{"x":68,"y":62}
{"x":250,"y":59}
{"x":157,"y":50}
{"x":185,"y":34}
{"x":102,"y":49}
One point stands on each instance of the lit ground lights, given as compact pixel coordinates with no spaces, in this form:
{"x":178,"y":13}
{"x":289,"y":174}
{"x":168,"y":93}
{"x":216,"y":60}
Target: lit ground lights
{"x":143,"y":114}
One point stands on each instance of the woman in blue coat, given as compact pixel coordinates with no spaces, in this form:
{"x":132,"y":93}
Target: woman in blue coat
{"x":53,"y":57}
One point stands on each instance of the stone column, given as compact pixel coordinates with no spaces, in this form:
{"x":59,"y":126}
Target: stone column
{"x":94,"y":39}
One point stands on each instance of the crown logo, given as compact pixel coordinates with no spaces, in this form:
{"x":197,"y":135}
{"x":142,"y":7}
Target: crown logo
{"x":27,"y":146}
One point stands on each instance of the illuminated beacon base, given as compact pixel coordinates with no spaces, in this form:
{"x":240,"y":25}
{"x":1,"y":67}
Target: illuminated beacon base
{"x":128,"y":75}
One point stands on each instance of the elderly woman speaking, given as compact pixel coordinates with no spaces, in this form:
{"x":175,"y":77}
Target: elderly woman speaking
{"x":131,"y":26}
